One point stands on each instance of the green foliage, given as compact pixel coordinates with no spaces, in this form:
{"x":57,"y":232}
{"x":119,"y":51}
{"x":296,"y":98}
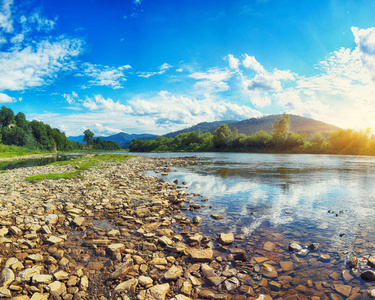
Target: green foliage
{"x":281,"y":127}
{"x":6,"y":116}
{"x":349,"y":141}
{"x":88,"y":138}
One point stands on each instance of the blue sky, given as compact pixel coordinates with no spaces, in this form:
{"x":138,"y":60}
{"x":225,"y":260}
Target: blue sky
{"x":159,"y":66}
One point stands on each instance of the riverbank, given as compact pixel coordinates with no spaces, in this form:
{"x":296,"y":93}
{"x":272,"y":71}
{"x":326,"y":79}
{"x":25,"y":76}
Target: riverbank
{"x":115,"y":234}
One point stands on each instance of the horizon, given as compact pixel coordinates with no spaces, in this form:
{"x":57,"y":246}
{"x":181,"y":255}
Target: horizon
{"x":156,"y":67}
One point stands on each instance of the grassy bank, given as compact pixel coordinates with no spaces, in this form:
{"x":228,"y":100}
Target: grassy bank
{"x":80,"y":164}
{"x":11,"y":151}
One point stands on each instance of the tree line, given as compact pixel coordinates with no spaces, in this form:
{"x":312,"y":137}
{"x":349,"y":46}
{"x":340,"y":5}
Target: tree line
{"x":280,"y":140}
{"x":16,"y":130}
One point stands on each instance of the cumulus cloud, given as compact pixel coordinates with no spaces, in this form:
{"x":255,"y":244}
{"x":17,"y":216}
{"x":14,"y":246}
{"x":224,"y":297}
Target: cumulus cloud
{"x":213,"y":80}
{"x":4,"y":98}
{"x":98,"y":102}
{"x":71,"y":98}
{"x":233,"y":62}
{"x":250,"y":62}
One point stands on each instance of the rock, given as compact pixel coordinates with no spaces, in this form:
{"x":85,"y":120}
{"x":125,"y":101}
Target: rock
{"x":268,"y":246}
{"x":181,"y":297}
{"x":54,"y":240}
{"x":226,"y":238}
{"x":158,"y":292}
{"x":7,"y":276}
{"x":346,"y":276}
{"x":274,"y":286}
{"x":186,"y":288}
{"x":368,"y":275}
{"x":294,"y":247}
{"x":123,"y":270}
{"x":5,"y":293}
{"x":343,"y":289}
{"x":145,"y":281}
{"x":216,"y":280}
{"x":201,"y":255}
{"x":210,"y":294}
{"x":39,"y":296}
{"x":231,"y":284}
{"x":208,"y":271}
{"x":325,"y":257}
{"x":314,"y":246}
{"x":217,"y":216}
{"x":56,"y":287}
{"x":78,"y":221}
{"x":371,"y":262}
{"x":61,"y":275}
{"x":286,"y":265}
{"x":240,"y":256}
{"x":26,"y":274}
{"x":353,"y":262}
{"x":149,"y":246}
{"x":42,"y":278}
{"x":194,"y":239}
{"x":15,"y":230}
{"x":114,"y":249}
{"x":371,"y":293}
{"x":166,"y":241}
{"x":269,"y":271}
{"x":173,"y":273}
{"x":84,"y":283}
{"x":197,"y":220}
{"x":127,"y":286}
{"x":158,"y":261}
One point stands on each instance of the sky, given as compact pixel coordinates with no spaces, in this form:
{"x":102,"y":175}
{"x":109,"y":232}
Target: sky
{"x":156,"y":66}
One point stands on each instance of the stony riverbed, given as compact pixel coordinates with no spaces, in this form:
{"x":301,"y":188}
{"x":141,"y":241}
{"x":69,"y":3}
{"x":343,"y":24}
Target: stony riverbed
{"x":116,"y":234}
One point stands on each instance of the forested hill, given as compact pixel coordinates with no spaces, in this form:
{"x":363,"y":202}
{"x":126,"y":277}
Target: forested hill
{"x":121,"y":138}
{"x":250,"y":126}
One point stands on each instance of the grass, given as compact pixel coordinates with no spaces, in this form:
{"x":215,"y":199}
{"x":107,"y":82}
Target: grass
{"x":11,"y":151}
{"x":81,"y":164}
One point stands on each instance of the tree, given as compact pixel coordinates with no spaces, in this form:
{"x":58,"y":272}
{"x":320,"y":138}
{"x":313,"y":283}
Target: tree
{"x":6,"y":116}
{"x":221,"y":136}
{"x":281,"y":127}
{"x":89,"y":136}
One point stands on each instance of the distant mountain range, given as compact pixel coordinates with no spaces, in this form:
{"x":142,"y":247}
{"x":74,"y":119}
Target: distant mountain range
{"x":121,"y":138}
{"x":250,"y":126}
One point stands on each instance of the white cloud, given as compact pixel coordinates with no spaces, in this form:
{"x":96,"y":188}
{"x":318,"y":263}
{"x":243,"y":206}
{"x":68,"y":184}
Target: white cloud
{"x":233,"y":62}
{"x":250,"y":62}
{"x":6,"y":22}
{"x":213,"y":80}
{"x":4,"y":98}
{"x":263,"y":83}
{"x":162,"y":69}
{"x":105,"y":104}
{"x":71,"y":98}
{"x":100,"y":130}
{"x":34,"y":66}
{"x":105,"y":76}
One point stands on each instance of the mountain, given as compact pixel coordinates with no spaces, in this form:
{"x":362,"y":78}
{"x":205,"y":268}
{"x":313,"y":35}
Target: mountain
{"x":121,"y":138}
{"x":250,"y":126}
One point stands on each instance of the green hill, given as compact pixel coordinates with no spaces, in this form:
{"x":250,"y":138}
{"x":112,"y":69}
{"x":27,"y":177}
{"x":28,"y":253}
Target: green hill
{"x":250,"y":126}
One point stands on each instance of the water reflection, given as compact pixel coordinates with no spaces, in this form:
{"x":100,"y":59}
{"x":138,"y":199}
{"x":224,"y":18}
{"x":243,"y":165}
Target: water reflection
{"x":307,"y":197}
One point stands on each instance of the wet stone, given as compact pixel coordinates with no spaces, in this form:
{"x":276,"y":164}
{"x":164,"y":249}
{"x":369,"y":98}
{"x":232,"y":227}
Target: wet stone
{"x":226,"y":238}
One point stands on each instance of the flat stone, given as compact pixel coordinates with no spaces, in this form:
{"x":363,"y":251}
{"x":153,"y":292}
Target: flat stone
{"x":343,"y":289}
{"x":61,"y":275}
{"x":84,"y":283}
{"x":39,"y":296}
{"x":123,"y":270}
{"x":217,"y":216}
{"x":325,"y":257}
{"x":294,"y":247}
{"x":226,"y":238}
{"x":166,"y":241}
{"x":26,"y":274}
{"x":149,"y":246}
{"x":78,"y":221}
{"x":269,"y":271}
{"x":216,"y":280}
{"x":15,"y":230}
{"x":173,"y":273}
{"x":127,"y":286}
{"x":201,"y":255}
{"x":7,"y":276}
{"x":158,"y":292}
{"x":208,"y":271}
{"x":42,"y":278}
{"x":114,"y":249}
{"x":286,"y":265}
{"x":181,"y":297}
{"x":5,"y":292}
{"x":158,"y":261}
{"x":56,"y":287}
{"x":274,"y":286}
{"x":145,"y":280}
{"x":54,"y":240}
{"x":268,"y":246}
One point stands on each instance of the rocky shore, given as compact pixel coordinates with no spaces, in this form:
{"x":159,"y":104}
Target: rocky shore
{"x":116,"y":234}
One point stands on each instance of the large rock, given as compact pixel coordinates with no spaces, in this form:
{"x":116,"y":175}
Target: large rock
{"x":201,"y":255}
{"x":7,"y":276}
{"x":123,"y":270}
{"x":128,"y":286}
{"x":269,"y":271}
{"x":158,"y":292}
{"x":226,"y":238}
{"x":368,"y":275}
{"x":56,"y":287}
{"x":173,"y":273}
{"x":113,"y":249}
{"x":26,"y":274}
